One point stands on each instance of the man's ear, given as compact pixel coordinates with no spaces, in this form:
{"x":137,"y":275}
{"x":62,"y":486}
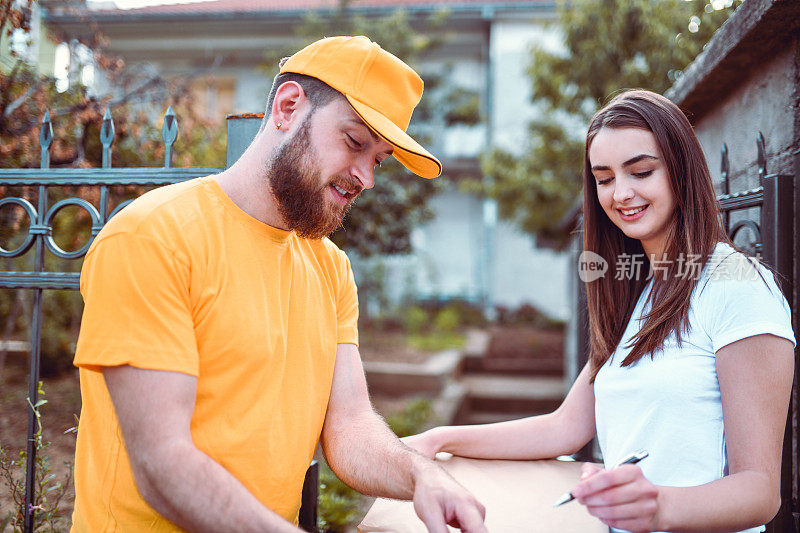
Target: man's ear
{"x":289,"y":99}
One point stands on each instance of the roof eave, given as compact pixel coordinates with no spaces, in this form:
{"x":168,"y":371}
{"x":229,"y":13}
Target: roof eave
{"x":130,"y":16}
{"x":742,"y":43}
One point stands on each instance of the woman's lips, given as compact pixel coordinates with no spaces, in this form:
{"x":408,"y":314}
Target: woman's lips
{"x":638,"y":213}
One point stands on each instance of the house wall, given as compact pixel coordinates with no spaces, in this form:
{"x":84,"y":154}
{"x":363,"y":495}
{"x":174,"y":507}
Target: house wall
{"x":768,"y":100}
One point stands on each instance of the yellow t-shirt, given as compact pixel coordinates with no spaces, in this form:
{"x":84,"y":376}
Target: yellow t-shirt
{"x":183,"y":280}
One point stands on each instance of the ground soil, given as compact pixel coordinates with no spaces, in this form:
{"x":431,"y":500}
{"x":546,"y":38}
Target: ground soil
{"x":525,"y":342}
{"x":389,"y":346}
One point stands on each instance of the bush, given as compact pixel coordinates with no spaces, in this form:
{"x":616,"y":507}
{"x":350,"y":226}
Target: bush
{"x":412,"y":418}
{"x":415,"y":319}
{"x":447,"y":320}
{"x":469,"y":314}
{"x":526,"y":314}
{"x":338,"y":505}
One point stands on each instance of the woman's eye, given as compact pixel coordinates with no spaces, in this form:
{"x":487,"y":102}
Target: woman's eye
{"x":604,"y":181}
{"x":643,"y":174}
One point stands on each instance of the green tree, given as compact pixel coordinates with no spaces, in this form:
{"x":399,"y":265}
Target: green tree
{"x":382,"y":219}
{"x":609,"y":45}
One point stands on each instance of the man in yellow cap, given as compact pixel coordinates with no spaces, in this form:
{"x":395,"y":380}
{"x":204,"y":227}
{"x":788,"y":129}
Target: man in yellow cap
{"x":219,"y":342}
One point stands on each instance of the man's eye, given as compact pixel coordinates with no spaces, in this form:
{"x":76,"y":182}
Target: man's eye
{"x":354,"y":143}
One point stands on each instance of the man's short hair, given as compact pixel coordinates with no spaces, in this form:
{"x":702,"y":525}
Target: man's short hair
{"x":318,"y":92}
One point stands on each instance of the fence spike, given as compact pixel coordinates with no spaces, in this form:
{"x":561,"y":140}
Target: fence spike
{"x":762,"y":157}
{"x":169,"y":132}
{"x":107,"y":134}
{"x":46,"y":139}
{"x":726,"y":188}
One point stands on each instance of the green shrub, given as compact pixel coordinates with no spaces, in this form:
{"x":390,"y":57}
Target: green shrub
{"x":436,"y":342}
{"x":415,"y":319}
{"x":447,"y":320}
{"x":338,"y":505}
{"x":412,"y":418}
{"x":469,"y":314}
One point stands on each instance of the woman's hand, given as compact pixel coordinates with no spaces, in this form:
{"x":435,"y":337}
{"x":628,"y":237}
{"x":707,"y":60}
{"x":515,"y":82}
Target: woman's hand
{"x":424,"y":443}
{"x":621,"y":497}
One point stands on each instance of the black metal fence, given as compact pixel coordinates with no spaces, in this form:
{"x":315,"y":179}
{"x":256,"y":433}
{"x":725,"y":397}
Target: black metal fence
{"x":772,"y":237}
{"x":40,"y":238}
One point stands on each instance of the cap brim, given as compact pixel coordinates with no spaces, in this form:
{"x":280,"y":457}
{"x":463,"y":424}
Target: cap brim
{"x":408,"y":151}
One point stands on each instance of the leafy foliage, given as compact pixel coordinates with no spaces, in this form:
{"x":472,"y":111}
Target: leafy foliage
{"x":609,"y":45}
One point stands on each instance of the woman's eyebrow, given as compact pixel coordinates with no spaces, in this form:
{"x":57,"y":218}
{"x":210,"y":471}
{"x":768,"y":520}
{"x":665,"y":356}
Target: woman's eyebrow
{"x":633,"y":160}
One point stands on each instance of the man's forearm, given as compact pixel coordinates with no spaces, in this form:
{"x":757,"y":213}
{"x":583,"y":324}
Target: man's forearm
{"x":190,"y":489}
{"x":369,"y":457}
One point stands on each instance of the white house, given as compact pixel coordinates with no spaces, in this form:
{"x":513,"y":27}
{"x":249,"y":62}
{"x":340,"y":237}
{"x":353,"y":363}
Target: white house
{"x":465,"y":251}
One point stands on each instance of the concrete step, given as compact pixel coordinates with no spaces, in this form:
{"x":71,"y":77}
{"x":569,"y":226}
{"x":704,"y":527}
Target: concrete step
{"x":491,"y":398}
{"x":477,"y":359}
{"x":551,"y":367}
{"x":399,"y":379}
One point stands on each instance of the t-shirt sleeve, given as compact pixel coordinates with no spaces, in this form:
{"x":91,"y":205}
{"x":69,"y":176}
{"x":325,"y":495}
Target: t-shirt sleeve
{"x":347,"y":305}
{"x":137,"y":308}
{"x":739,"y":301}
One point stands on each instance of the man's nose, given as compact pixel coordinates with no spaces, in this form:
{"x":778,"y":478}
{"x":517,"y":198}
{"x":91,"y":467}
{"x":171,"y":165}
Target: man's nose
{"x":365,"y":174}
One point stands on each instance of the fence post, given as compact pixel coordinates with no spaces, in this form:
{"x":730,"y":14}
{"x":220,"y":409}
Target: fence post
{"x":777,"y":229}
{"x":242,"y":129}
{"x":38,"y":228}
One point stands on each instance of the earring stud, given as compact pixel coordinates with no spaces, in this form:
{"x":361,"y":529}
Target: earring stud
{"x":278,"y":126}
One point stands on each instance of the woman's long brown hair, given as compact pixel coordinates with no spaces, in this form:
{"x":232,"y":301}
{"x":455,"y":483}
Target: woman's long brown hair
{"x":694,"y":232}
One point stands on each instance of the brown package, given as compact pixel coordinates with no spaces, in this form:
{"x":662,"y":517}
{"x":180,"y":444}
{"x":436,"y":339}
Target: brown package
{"x":518,"y":496}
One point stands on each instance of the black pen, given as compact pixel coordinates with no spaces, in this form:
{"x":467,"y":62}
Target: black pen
{"x":631,"y":459}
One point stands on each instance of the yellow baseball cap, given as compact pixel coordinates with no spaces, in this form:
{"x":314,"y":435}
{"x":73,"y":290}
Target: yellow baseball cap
{"x":382,"y":90}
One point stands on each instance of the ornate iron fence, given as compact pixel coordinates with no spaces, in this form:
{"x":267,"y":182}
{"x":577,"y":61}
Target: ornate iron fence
{"x":40,"y":238}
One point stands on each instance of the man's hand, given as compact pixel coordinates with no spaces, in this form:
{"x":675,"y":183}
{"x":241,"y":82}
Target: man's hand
{"x":439,"y":499}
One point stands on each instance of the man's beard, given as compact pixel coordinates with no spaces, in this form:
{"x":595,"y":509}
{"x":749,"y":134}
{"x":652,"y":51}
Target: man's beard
{"x":300,"y":191}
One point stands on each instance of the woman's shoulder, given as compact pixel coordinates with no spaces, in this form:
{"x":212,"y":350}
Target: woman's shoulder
{"x":737,"y":297}
{"x":728,"y":268}
{"x":730,"y":275}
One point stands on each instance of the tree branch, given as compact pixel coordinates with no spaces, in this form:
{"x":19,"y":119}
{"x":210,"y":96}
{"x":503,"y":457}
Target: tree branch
{"x":21,"y":100}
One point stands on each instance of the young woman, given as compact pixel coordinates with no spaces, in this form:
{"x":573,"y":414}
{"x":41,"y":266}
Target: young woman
{"x":691,"y":357}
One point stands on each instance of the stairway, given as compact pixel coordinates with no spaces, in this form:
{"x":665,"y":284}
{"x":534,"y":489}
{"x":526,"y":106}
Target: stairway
{"x":499,"y":389}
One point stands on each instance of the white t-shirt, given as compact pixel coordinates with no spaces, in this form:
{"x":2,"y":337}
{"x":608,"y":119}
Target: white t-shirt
{"x":670,"y":405}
